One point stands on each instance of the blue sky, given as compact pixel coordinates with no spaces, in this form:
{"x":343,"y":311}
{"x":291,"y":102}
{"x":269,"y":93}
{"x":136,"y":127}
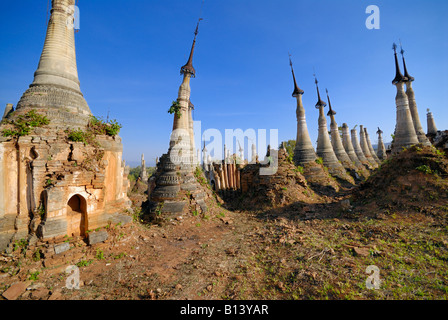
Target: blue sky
{"x":129,"y":54}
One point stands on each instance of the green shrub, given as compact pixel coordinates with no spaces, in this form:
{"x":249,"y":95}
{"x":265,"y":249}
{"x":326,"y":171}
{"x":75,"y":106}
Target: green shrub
{"x":425,"y":169}
{"x":23,"y":124}
{"x":77,"y":136}
{"x":97,"y":126}
{"x":299,"y":169}
{"x":319,"y":160}
{"x":175,"y":109}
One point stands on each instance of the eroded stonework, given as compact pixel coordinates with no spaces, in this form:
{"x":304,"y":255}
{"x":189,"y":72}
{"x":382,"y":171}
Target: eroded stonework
{"x":52,"y":187}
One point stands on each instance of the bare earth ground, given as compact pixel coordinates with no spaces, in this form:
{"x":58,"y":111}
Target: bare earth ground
{"x":298,"y":251}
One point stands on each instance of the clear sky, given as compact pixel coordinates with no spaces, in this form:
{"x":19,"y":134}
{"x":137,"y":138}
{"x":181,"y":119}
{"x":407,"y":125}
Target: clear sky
{"x":129,"y":54}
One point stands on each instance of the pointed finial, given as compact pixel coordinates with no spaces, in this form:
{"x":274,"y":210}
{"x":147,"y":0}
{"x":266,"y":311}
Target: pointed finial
{"x":319,"y":103}
{"x":297,"y":90}
{"x":398,"y":75}
{"x":379,"y":131}
{"x":188,"y":67}
{"x":394,"y":47}
{"x":331,"y":112}
{"x":406,"y":74}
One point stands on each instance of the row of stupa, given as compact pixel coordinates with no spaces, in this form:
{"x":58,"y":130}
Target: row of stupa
{"x":342,"y":153}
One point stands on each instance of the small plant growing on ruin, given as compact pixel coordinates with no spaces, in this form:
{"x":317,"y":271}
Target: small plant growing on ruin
{"x":199,"y":176}
{"x":23,"y":124}
{"x":41,"y":211}
{"x":425,"y":169}
{"x":84,"y":263}
{"x":77,"y":136}
{"x":22,"y":243}
{"x":37,"y":255}
{"x":319,"y":160}
{"x":34,"y":276}
{"x":98,"y":126}
{"x":175,"y":109}
{"x":299,"y":169}
{"x":99,"y":254}
{"x":440,"y":152}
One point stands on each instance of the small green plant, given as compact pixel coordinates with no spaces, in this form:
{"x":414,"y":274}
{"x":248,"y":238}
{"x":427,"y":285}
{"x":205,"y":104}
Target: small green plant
{"x":299,"y":169}
{"x":425,"y":169}
{"x":99,"y":254}
{"x":175,"y":109}
{"x":78,"y":136}
{"x":41,"y":211}
{"x":22,"y":243}
{"x":99,"y":127}
{"x":158,"y":210}
{"x":221,"y":215}
{"x":440,"y":153}
{"x":121,"y":255}
{"x":37,"y":255}
{"x":319,"y":160}
{"x":23,"y":124}
{"x":34,"y":276}
{"x":84,"y":263}
{"x":200,"y":176}
{"x":95,"y":127}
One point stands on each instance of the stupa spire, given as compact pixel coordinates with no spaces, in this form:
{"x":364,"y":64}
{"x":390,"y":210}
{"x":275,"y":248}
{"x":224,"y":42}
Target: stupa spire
{"x":188,"y":67}
{"x":319,"y":103}
{"x":406,"y":74}
{"x":413,"y":106}
{"x":398,"y":75}
{"x":297,"y":90}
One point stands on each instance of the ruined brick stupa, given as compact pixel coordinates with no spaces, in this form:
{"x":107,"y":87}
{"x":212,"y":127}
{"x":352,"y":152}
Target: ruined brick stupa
{"x":52,"y":186}
{"x":175,"y":175}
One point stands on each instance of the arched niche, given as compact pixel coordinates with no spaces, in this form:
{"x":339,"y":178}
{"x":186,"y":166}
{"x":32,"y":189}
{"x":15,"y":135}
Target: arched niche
{"x":77,"y":222}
